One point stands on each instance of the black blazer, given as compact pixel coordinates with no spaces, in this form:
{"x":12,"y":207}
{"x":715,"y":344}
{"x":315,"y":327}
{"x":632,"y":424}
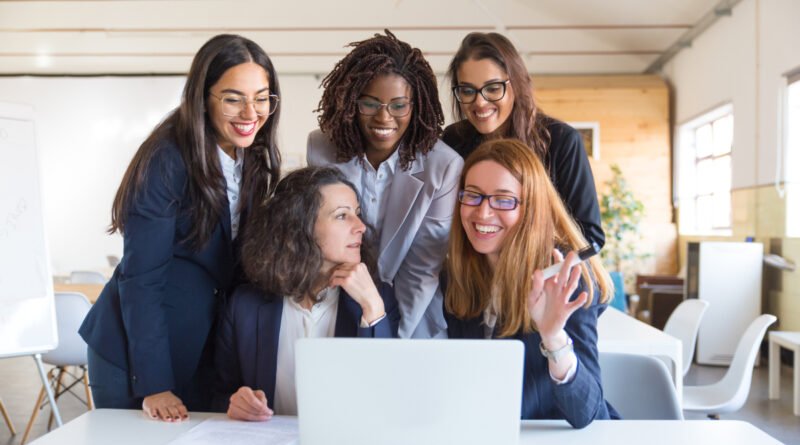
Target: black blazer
{"x":249,"y":331}
{"x":567,"y":163}
{"x":153,"y":317}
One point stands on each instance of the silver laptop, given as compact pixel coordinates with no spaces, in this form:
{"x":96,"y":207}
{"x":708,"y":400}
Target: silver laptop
{"x":374,"y":391}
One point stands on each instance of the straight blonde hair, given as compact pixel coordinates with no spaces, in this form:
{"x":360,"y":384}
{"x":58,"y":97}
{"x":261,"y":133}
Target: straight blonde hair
{"x":544,"y":225}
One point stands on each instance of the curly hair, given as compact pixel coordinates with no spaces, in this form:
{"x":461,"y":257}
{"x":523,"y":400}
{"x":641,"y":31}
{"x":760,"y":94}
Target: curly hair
{"x":280,"y":254}
{"x":380,"y":55}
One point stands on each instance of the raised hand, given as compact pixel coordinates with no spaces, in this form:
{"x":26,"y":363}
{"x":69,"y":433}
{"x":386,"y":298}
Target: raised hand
{"x":165,"y":406}
{"x":357,"y":282}
{"x":549,"y":301}
{"x":246,"y":404}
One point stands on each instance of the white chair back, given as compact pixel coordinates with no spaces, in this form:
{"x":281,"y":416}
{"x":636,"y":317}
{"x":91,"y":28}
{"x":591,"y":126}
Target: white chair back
{"x":730,"y":393}
{"x":639,"y":387}
{"x":87,"y":277}
{"x":71,"y":309}
{"x":683,"y":324}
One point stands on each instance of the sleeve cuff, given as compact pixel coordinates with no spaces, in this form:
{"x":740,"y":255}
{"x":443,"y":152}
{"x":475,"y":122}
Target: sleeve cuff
{"x":570,"y":373}
{"x":364,"y":323}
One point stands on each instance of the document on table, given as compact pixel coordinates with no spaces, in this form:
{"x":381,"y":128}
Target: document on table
{"x":277,"y":431}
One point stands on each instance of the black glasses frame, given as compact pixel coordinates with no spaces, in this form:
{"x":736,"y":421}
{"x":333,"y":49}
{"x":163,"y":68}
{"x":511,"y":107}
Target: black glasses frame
{"x":481,"y":90}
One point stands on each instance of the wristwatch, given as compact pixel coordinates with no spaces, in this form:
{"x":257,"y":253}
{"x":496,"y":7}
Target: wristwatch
{"x":558,"y":353}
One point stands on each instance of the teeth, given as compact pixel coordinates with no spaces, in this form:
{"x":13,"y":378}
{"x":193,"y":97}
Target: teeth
{"x":484,"y":114}
{"x":382,"y":131}
{"x":486,"y":229}
{"x":244,"y":127}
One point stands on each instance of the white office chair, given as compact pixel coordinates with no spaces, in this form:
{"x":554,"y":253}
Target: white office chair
{"x":9,"y":423}
{"x":87,"y":277}
{"x":71,"y":309}
{"x":639,"y":387}
{"x":683,"y":324}
{"x":730,"y":393}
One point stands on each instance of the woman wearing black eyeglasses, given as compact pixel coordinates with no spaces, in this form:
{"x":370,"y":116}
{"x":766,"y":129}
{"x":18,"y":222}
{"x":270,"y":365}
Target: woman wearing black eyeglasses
{"x":380,"y":121}
{"x":493,"y":98}
{"x":179,"y":208}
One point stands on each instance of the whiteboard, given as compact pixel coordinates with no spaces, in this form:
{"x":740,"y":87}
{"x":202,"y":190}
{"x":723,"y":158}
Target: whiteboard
{"x":27,"y":312}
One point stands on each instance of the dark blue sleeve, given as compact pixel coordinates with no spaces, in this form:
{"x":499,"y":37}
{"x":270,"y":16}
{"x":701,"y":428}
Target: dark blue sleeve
{"x":149,"y":240}
{"x":572,"y":176}
{"x":386,"y":328}
{"x":226,"y":360}
{"x":581,"y":400}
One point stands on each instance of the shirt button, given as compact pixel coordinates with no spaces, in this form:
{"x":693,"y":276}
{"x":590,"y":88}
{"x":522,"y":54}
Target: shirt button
{"x":216,"y":292}
{"x":373,"y":199}
{"x":234,"y":197}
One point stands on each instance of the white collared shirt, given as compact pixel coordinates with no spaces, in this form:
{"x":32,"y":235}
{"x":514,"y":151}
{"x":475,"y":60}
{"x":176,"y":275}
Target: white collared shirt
{"x":296,"y":323}
{"x":232,"y":171}
{"x":375,"y":186}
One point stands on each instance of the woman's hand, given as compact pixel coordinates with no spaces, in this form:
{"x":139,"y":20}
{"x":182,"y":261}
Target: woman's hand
{"x":165,"y":406}
{"x":357,"y":282}
{"x":247,"y":404}
{"x":548,"y":302}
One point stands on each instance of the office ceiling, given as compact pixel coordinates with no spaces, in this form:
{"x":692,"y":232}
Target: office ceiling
{"x":308,"y":37}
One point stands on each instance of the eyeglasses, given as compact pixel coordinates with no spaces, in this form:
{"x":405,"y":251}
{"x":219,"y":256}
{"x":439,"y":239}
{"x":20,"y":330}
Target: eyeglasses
{"x":233,"y":104}
{"x":369,"y":107}
{"x":492,"y":92}
{"x":497,"y":202}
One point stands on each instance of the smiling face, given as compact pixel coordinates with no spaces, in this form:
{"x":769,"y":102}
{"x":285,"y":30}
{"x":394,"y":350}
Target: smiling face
{"x":339,"y":229}
{"x":383,"y":131}
{"x":248,"y":80}
{"x":487,"y":117}
{"x":487,"y":228}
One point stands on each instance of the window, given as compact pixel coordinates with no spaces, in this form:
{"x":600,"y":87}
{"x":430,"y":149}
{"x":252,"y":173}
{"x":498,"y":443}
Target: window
{"x":792,"y":150}
{"x":704,"y":173}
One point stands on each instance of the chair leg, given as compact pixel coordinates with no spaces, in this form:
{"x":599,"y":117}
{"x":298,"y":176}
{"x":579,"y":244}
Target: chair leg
{"x":56,"y":394}
{"x":7,"y":419}
{"x":35,"y":412}
{"x":89,"y":400}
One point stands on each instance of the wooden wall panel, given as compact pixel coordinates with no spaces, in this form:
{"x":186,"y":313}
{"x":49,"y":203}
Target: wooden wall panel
{"x":633,"y":114}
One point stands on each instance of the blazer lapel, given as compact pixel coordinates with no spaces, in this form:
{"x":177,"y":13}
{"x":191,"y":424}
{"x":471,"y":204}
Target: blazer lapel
{"x":406,"y":186}
{"x":348,"y":316}
{"x":268,"y":332}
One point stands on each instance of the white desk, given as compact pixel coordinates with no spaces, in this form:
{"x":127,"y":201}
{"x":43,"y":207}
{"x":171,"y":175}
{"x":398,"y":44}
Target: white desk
{"x":131,"y":427}
{"x":791,"y":341}
{"x":619,"y":332}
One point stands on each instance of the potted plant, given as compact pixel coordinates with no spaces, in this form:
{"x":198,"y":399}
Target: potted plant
{"x":621,"y":215}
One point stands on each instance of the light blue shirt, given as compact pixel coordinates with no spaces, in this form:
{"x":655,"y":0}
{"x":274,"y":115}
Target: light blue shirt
{"x":375,"y":186}
{"x":232,"y":170}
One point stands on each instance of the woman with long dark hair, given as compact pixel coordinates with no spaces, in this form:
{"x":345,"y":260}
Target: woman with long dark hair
{"x":509,"y":225}
{"x":380,"y":121}
{"x":179,"y":208}
{"x":308,"y":257}
{"x":493,"y":98}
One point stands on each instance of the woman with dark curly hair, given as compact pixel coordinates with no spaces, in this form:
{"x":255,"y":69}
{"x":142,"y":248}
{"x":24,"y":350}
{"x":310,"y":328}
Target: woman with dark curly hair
{"x":380,"y":121}
{"x":308,"y":258}
{"x":493,"y":98}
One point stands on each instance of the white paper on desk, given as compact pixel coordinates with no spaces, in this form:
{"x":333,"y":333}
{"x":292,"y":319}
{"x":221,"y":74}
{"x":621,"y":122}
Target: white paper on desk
{"x":277,"y":431}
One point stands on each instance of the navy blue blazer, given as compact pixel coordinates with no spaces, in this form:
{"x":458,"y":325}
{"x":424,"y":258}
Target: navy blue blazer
{"x":579,"y":401}
{"x":249,"y":330}
{"x":155,"y":314}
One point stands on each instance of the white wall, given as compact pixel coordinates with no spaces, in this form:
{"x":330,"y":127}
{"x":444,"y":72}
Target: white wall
{"x":741,"y":60}
{"x":87,"y":131}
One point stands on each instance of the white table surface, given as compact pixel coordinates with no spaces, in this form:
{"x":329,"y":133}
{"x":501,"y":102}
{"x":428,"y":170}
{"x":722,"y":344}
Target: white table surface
{"x":619,"y":332}
{"x":131,"y":427}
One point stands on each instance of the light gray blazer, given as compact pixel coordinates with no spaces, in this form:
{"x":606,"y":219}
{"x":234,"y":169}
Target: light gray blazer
{"x":413,"y":239}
